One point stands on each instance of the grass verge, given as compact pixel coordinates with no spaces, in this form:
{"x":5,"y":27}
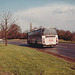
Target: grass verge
{"x":17,"y":60}
{"x":63,"y":41}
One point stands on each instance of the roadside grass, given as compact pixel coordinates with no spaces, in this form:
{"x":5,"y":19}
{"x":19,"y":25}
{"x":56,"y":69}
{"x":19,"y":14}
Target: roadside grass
{"x":17,"y":60}
{"x":63,"y":41}
{"x":17,"y":39}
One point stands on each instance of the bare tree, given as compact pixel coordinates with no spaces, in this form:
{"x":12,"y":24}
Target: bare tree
{"x":6,"y":21}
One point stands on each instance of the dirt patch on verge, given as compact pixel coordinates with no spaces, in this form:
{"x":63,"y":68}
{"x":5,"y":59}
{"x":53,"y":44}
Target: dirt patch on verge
{"x":6,"y":73}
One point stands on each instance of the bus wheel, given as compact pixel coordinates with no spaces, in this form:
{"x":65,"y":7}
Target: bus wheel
{"x":41,"y":46}
{"x":35,"y":42}
{"x":52,"y":46}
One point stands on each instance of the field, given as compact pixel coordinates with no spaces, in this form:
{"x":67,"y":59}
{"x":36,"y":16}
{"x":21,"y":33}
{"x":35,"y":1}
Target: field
{"x":17,"y":60}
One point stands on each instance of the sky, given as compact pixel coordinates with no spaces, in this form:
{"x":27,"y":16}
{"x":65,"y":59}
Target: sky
{"x":46,"y":13}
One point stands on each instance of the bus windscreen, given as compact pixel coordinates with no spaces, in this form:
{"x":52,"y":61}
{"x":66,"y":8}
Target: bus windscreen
{"x":50,"y":31}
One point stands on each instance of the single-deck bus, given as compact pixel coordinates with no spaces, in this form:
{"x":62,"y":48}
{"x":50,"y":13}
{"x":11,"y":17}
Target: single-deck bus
{"x":43,"y":36}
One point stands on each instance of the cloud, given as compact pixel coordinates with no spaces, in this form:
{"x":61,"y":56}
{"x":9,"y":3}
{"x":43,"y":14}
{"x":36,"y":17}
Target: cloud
{"x":60,"y":16}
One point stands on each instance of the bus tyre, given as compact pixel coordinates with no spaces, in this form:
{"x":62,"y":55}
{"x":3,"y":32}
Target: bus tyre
{"x":51,"y":46}
{"x":36,"y":42}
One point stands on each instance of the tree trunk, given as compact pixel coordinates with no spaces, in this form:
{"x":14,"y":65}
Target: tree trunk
{"x":6,"y":32}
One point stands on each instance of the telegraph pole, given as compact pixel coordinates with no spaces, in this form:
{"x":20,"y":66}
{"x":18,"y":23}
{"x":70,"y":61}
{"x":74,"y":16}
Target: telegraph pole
{"x":30,"y":26}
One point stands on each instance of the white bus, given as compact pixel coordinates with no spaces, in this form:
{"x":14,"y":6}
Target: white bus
{"x":43,"y":36}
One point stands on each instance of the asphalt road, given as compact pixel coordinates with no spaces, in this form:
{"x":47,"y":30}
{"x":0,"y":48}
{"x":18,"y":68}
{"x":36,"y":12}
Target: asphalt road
{"x":64,"y":49}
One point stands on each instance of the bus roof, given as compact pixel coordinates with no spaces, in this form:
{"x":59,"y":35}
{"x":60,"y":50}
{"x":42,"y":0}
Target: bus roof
{"x":50,"y":31}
